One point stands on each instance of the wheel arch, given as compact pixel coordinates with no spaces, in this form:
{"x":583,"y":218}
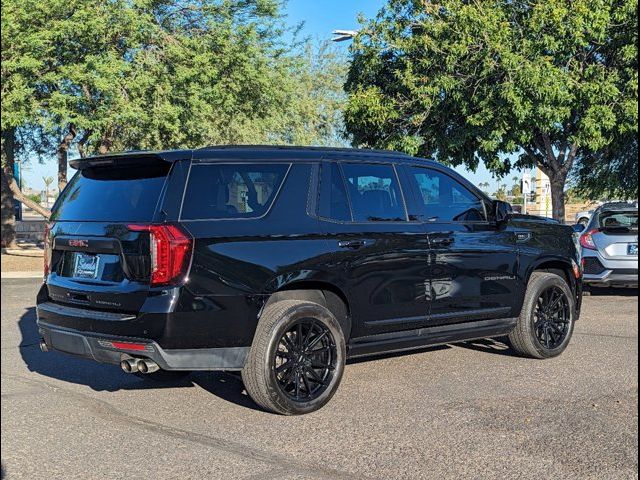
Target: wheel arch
{"x":324,"y":293}
{"x":558,"y":265}
{"x":563,"y":268}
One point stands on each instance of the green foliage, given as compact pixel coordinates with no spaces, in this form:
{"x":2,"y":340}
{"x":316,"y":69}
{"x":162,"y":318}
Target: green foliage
{"x":34,"y":197}
{"x":156,"y":74}
{"x":611,"y":172}
{"x":544,"y":83}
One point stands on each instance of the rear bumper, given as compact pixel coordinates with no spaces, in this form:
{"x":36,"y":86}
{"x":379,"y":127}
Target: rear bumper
{"x":609,"y":272}
{"x":100,"y":348}
{"x":613,"y":278}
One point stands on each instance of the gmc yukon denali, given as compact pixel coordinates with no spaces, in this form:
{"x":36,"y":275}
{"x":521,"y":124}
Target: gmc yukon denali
{"x":282,"y":263}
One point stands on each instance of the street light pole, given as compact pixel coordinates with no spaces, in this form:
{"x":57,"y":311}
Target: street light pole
{"x":344,"y":35}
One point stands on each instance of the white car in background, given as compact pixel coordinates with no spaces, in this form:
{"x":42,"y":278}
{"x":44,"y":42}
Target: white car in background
{"x":583,"y":218}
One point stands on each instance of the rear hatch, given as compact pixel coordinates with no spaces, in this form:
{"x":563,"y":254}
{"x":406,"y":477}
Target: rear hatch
{"x":102,"y":251}
{"x":617,"y":236}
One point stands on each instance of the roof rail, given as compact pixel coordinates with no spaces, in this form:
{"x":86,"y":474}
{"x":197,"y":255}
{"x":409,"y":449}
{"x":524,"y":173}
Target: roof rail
{"x":294,"y":147}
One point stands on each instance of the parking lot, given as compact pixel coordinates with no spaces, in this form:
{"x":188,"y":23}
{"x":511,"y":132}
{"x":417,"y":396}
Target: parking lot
{"x":465,"y":411}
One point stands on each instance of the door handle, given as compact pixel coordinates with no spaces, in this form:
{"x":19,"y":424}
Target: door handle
{"x":354,"y":244}
{"x":522,"y":237}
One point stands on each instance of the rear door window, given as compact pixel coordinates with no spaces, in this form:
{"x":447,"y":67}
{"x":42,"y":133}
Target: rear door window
{"x":231,"y":191}
{"x":440,"y":198}
{"x":374,"y":192}
{"x":113,"y":194}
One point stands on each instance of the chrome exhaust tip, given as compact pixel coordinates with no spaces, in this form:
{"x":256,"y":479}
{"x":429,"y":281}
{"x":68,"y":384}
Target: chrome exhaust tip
{"x":43,"y":346}
{"x":129,"y":365}
{"x":147,"y":366}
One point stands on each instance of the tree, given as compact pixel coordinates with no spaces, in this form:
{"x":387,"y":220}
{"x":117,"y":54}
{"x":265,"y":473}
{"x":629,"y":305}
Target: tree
{"x":501,"y":193}
{"x":547,"y":83}
{"x":47,"y":184}
{"x":21,"y":67}
{"x":611,"y":173}
{"x":158,"y":74}
{"x":516,"y":189}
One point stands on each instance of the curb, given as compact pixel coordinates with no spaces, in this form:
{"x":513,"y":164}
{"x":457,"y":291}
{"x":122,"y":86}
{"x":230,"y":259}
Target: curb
{"x":14,"y":275}
{"x":23,"y":252}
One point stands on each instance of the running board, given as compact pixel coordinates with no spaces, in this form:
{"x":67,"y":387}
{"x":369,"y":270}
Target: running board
{"x":429,"y":336}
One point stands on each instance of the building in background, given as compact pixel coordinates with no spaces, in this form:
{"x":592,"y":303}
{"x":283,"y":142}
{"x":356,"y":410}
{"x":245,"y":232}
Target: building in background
{"x":540,"y":189}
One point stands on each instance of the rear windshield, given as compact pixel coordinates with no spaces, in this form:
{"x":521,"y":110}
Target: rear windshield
{"x":227,"y":191}
{"x":619,"y":221}
{"x":112,"y":194}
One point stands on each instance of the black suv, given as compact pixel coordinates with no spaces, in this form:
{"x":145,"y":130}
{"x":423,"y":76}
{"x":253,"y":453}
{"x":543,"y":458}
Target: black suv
{"x":283,"y":263}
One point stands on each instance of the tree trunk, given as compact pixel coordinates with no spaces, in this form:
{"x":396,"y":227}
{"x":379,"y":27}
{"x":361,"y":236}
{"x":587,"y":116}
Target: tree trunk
{"x":8,"y":216}
{"x":63,"y":154}
{"x":558,"y":182}
{"x":7,"y":212}
{"x":18,"y":195}
{"x":82,"y":144}
{"x":106,"y":143}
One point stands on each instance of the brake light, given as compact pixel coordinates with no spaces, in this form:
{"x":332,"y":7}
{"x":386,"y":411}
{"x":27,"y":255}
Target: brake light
{"x":586,"y":240}
{"x":47,"y":248}
{"x":170,"y":252}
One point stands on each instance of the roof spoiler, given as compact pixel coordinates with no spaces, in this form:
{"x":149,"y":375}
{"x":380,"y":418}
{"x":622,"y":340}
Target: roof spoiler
{"x":130,"y":159}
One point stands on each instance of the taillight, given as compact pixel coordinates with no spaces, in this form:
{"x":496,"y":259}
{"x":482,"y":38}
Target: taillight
{"x":170,"y":252}
{"x":47,"y":248}
{"x":577,"y":269}
{"x":586,"y":240}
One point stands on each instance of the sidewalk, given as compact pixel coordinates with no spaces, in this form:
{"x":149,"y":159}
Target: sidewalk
{"x":23,"y":261}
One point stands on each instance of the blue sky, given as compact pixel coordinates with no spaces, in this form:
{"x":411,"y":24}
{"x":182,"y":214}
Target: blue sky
{"x":320,"y":18}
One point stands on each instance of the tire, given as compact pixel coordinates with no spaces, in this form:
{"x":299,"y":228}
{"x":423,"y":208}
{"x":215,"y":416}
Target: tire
{"x":279,"y":361}
{"x":538,"y":334}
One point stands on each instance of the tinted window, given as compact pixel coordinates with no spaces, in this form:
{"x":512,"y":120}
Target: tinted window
{"x":333,"y":194}
{"x":441,"y":198}
{"x":216,"y":191}
{"x":109,"y":194}
{"x":374,"y":192}
{"x":622,"y":222}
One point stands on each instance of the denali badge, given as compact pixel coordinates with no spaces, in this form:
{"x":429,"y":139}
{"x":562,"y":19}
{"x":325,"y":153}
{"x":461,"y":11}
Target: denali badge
{"x":78,"y":243}
{"x":494,"y":278}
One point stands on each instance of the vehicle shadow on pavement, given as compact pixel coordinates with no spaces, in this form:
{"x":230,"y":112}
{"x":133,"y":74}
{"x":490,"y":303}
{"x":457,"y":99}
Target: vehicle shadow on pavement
{"x":111,"y":378}
{"x":383,"y":356}
{"x":498,"y":346}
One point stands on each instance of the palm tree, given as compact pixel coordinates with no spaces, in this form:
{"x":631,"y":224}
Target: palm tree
{"x":47,"y":183}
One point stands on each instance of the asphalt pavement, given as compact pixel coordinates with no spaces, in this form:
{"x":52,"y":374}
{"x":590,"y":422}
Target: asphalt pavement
{"x":468,"y":411}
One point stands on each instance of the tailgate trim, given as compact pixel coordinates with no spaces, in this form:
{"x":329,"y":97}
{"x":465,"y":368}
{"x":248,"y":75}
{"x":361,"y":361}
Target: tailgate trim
{"x":84,"y":313}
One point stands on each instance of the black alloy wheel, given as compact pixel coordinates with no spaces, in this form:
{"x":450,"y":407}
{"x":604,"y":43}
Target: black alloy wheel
{"x":552,"y":316}
{"x":305,"y":360}
{"x":297,"y":358}
{"x":546,"y":322}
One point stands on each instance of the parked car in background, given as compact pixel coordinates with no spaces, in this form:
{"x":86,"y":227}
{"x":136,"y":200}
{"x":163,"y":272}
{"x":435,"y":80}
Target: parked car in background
{"x":583,"y":218}
{"x":610,"y":246}
{"x":282,"y":263}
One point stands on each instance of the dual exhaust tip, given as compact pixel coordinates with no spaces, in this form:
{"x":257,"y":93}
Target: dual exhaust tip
{"x":141,"y":365}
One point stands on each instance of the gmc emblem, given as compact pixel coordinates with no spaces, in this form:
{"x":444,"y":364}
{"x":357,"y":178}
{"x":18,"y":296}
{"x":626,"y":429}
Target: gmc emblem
{"x":78,"y":243}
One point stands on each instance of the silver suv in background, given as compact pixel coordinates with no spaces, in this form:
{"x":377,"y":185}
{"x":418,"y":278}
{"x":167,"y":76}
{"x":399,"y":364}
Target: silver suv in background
{"x":610,"y":246}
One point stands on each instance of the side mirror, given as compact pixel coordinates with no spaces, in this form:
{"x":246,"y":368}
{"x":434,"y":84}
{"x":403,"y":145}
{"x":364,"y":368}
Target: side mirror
{"x":502,"y":211}
{"x":579,"y":227}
